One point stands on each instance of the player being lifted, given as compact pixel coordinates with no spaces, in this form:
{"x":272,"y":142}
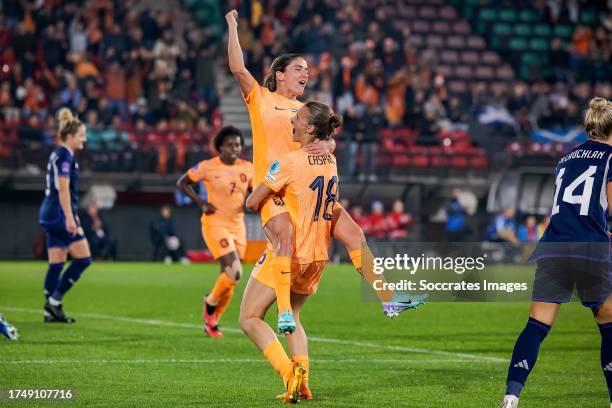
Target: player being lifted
{"x":574,"y":250}
{"x":310,"y":182}
{"x":271,"y":108}
{"x":58,"y":217}
{"x":227,"y":178}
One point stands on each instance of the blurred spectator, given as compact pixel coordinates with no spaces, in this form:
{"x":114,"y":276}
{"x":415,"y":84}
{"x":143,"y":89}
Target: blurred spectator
{"x":167,"y":245}
{"x":96,"y":230}
{"x":398,"y":221}
{"x":377,"y":221}
{"x":368,"y":141}
{"x":528,"y":232}
{"x":456,"y":213}
{"x":542,"y":225}
{"x":503,"y":228}
{"x":361,"y":219}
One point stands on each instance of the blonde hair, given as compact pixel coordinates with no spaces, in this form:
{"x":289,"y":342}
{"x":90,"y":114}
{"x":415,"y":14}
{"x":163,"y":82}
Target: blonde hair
{"x":598,"y":119}
{"x":68,"y":122}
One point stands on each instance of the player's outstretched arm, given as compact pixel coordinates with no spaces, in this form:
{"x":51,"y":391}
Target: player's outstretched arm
{"x":185,"y":184}
{"x":258,"y":195}
{"x":235,"y":56}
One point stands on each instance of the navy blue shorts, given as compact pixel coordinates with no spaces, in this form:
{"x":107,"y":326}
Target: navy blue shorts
{"x":59,"y":237}
{"x":556,"y":278}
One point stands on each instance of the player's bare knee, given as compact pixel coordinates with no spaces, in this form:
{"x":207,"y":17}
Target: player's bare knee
{"x":231,"y":266}
{"x":603,"y":313}
{"x":244,"y":322}
{"x":352,"y":238}
{"x":284,"y":245}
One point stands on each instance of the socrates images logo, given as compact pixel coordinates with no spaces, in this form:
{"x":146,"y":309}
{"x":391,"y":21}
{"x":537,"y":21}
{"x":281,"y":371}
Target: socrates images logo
{"x":274,"y":169}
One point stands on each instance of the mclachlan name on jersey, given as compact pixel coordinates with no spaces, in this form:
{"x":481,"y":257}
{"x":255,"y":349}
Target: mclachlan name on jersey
{"x":583,"y":154}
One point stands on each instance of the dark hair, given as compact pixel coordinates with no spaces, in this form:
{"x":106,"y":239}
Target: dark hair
{"x":224,"y":133}
{"x":324,"y":120}
{"x":69,"y":123}
{"x":279,"y":64}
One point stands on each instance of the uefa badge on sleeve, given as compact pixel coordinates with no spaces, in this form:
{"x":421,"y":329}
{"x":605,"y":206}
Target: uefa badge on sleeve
{"x":274,"y":169}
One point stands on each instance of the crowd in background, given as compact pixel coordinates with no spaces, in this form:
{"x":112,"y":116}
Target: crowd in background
{"x":142,"y":77}
{"x":127,"y":72}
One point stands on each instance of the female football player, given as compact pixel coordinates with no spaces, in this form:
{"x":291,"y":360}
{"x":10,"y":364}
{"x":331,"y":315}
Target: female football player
{"x":271,"y":108}
{"x":58,"y":217}
{"x":310,"y":182}
{"x":574,"y":250}
{"x":227,"y":178}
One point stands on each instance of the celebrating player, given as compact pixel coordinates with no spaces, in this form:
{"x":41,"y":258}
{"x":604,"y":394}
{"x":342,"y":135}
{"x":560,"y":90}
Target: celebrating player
{"x":58,"y":217}
{"x":574,"y":250}
{"x":227,"y":179}
{"x":310,"y":182}
{"x":271,"y":107}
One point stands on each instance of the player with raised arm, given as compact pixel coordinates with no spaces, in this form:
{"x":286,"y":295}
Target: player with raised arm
{"x":227,"y":179}
{"x":58,"y":217}
{"x":574,"y":250}
{"x":271,"y":107}
{"x":310,"y":182}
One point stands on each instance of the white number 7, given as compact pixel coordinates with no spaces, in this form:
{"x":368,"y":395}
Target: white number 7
{"x":568,"y":194}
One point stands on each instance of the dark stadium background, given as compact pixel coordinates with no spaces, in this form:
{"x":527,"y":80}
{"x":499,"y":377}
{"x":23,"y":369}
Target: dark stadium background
{"x":479,"y":95}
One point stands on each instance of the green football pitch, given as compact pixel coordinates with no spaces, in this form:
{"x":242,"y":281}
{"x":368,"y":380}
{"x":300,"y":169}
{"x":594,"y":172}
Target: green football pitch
{"x":138,"y":342}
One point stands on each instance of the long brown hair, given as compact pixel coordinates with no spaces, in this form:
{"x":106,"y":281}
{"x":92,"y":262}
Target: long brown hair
{"x":323,"y":118}
{"x":279,"y":64}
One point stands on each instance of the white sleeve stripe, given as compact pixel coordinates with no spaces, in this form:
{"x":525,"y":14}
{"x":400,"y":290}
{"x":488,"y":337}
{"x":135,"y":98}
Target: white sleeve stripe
{"x":603,"y":195}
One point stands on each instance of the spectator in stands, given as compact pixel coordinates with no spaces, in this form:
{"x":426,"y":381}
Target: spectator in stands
{"x":503,"y":228}
{"x":456,"y":213}
{"x":542,"y":225}
{"x":398,"y":221}
{"x":378,"y":222}
{"x":167,"y":245}
{"x":559,"y":59}
{"x":373,"y":120}
{"x":528,"y":231}
{"x":361,"y":219}
{"x":96,"y":230}
{"x":428,"y":129}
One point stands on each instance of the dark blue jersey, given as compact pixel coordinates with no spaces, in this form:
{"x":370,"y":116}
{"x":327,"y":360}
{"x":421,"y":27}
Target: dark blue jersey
{"x":580,"y":204}
{"x":61,"y":164}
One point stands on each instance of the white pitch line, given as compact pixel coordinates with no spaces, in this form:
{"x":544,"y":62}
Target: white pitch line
{"x":163,"y":323}
{"x":235,"y":360}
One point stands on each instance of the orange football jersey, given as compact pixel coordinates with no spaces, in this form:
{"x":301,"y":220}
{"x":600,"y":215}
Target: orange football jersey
{"x":270,"y":115}
{"x":227,"y":187}
{"x":311,"y":189}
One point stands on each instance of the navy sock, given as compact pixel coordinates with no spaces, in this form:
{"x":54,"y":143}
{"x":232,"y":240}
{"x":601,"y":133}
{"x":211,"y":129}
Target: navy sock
{"x":52,"y":278}
{"x":525,"y":355}
{"x":606,"y":354}
{"x":72,"y":274}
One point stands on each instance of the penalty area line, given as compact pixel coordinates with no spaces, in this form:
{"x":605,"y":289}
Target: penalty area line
{"x":372,"y":345}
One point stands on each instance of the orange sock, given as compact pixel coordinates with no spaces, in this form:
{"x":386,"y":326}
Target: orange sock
{"x":223,"y":284}
{"x":303,"y":360}
{"x":282,"y":274}
{"x":275,"y":354}
{"x":224,"y":302}
{"x":363,"y":260}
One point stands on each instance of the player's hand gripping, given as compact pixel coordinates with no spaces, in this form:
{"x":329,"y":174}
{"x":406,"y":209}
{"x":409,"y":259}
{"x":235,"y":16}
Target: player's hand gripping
{"x":232,"y":18}
{"x":71,"y":226}
{"x":208,"y":208}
